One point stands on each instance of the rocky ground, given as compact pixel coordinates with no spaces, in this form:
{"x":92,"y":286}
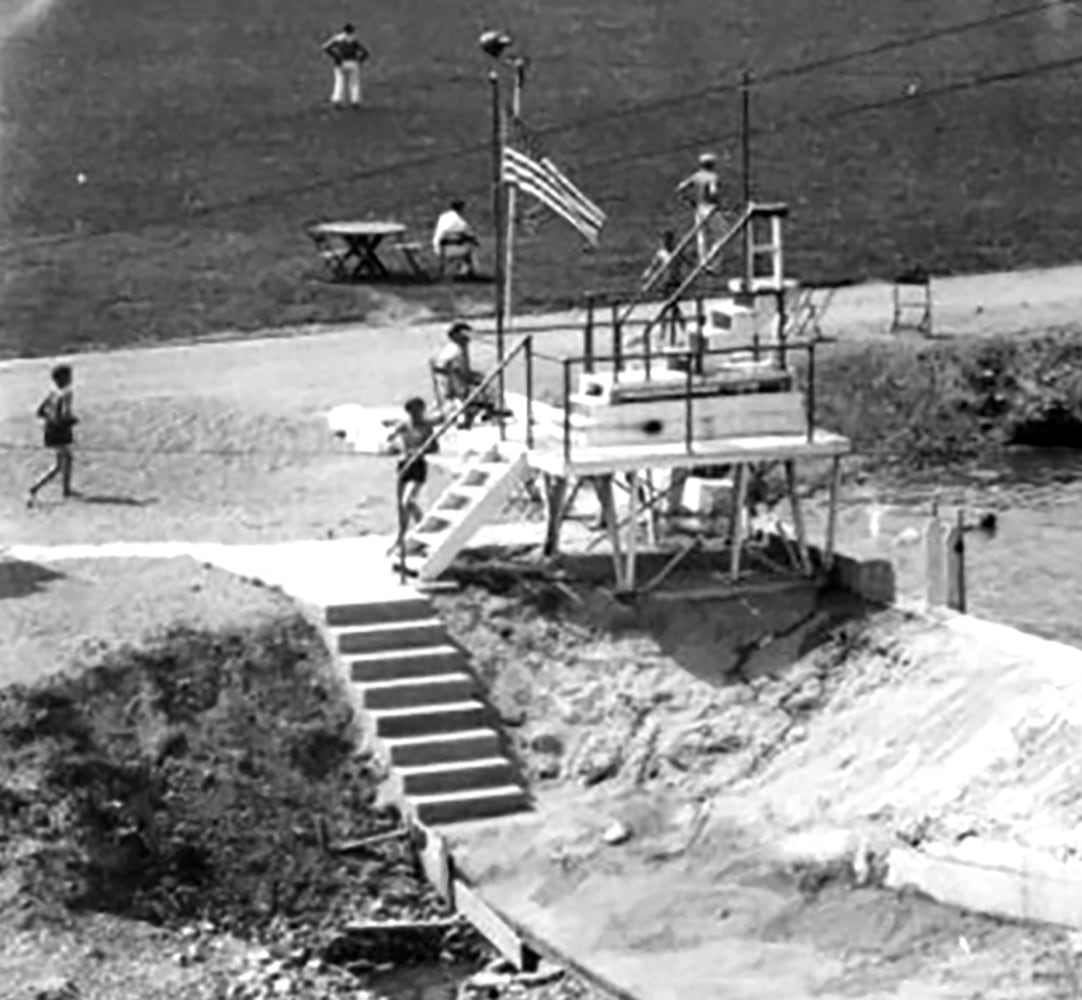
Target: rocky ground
{"x":183,"y":809}
{"x":207,"y":785}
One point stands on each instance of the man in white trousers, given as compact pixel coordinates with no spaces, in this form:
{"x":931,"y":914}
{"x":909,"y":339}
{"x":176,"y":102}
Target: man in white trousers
{"x":701,"y":191}
{"x":348,"y":54}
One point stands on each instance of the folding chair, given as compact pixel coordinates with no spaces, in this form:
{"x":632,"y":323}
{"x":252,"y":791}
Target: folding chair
{"x":332,"y":257}
{"x":412,"y":252}
{"x":452,"y":251}
{"x":912,"y":297}
{"x":447,"y":395}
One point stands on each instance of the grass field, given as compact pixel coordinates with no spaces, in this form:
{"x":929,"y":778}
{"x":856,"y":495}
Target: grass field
{"x":203,"y":132}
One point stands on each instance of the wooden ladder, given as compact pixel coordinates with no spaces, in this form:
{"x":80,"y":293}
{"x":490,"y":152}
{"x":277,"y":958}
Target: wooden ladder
{"x":477,"y":493}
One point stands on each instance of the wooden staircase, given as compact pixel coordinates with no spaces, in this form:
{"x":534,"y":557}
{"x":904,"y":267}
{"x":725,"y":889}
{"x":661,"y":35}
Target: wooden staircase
{"x":479,"y":491}
{"x":423,"y":711}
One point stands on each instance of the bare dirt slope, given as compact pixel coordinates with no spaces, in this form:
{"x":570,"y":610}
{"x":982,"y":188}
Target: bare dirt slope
{"x":746,"y":785}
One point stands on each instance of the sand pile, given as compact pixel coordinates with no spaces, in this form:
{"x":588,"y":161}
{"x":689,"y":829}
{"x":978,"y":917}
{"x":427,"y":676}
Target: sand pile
{"x":942,"y":728}
{"x":915,"y":726}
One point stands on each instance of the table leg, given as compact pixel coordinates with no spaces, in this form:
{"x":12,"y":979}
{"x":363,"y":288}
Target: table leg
{"x":373,"y":264}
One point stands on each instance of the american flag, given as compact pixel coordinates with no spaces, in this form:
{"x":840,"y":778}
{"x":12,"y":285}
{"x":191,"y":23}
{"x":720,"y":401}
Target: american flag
{"x":528,"y":169}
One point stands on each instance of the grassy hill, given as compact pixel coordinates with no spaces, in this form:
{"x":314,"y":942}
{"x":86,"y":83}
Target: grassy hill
{"x":203,"y":132}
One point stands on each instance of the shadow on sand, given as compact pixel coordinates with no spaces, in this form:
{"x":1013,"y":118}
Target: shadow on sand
{"x":115,"y":500}
{"x":21,"y":579}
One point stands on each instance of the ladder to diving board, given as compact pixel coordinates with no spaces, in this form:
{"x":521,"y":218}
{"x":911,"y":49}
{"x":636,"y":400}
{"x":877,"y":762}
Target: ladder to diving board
{"x":478,"y":493}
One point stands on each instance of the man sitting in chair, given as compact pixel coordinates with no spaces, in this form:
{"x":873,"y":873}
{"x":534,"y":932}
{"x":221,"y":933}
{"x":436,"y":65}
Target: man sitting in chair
{"x":452,"y":367}
{"x":454,"y":239}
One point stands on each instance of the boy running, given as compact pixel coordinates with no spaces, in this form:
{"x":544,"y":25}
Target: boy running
{"x":56,"y":410}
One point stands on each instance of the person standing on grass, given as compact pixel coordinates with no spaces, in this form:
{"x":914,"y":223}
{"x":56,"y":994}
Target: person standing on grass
{"x":348,"y":55}
{"x":408,"y":439}
{"x":701,"y":190}
{"x":56,"y":410}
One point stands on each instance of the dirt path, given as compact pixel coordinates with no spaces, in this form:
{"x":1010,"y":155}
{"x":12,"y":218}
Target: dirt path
{"x":227,"y":441}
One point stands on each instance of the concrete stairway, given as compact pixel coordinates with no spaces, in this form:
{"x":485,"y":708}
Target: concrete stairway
{"x":423,"y":712}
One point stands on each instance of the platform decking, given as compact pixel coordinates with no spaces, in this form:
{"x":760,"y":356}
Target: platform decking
{"x":549,"y":457}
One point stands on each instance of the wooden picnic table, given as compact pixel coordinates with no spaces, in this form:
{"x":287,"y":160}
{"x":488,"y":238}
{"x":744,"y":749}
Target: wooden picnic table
{"x":359,"y":257}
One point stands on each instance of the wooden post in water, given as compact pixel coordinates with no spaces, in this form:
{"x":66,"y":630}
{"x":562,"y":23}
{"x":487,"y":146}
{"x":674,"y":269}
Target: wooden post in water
{"x":956,"y":565}
{"x":935,"y":570}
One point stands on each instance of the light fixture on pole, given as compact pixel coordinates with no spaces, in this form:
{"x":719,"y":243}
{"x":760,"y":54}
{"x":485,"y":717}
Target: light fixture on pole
{"x":495,"y":45}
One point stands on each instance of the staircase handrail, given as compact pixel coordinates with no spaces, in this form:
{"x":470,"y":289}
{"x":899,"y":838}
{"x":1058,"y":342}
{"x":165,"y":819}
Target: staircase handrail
{"x":734,"y":230}
{"x":448,"y":422}
{"x":652,"y":276}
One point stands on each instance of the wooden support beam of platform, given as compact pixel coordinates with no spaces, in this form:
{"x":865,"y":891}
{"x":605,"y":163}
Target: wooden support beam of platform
{"x":632,"y":530}
{"x":736,"y":525}
{"x":556,"y":502}
{"x":726,"y":451}
{"x":832,"y":513}
{"x":798,"y":516}
{"x":607,"y":497}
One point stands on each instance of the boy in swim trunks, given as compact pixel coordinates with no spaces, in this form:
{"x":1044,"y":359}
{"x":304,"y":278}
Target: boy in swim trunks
{"x":56,"y":411}
{"x":411,"y":435}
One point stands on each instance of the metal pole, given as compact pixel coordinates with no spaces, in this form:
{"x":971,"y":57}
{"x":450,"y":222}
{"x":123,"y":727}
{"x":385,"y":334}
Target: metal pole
{"x":811,"y":393}
{"x":567,"y":412}
{"x":588,"y":335}
{"x":617,"y":343}
{"x":529,"y":391}
{"x":700,"y":334}
{"x":687,"y":402}
{"x":509,"y":239}
{"x":745,"y":150}
{"x":745,"y":133}
{"x":497,"y":212}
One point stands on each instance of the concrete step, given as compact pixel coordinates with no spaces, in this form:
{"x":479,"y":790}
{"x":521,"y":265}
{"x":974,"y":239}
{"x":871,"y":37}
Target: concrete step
{"x":469,"y":744}
{"x":390,"y":635}
{"x":454,"y":776}
{"x":427,"y":720}
{"x":439,"y":689}
{"x":454,"y":807}
{"x":407,"y":606}
{"x":395,"y":664}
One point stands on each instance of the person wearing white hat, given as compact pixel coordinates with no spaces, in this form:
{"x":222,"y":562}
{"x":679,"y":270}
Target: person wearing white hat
{"x":701,"y":191}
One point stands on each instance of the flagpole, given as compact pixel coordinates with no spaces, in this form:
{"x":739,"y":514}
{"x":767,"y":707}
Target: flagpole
{"x":512,"y":198}
{"x":745,"y":150}
{"x":498,"y":223}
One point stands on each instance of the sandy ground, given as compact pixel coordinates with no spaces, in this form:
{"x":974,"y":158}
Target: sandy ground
{"x":52,"y":616}
{"x":697,"y":903}
{"x":227,"y":441}
{"x":747,"y":748}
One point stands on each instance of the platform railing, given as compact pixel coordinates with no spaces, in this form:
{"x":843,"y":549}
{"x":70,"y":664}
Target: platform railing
{"x":693,"y":364}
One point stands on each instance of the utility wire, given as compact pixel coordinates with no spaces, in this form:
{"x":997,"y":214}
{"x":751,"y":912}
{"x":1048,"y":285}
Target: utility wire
{"x":802,"y":69}
{"x":435,"y":158}
{"x":826,"y":118}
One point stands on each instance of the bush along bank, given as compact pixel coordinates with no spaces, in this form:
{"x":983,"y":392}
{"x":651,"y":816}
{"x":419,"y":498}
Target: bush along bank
{"x":212,"y":780}
{"x":913,"y":406}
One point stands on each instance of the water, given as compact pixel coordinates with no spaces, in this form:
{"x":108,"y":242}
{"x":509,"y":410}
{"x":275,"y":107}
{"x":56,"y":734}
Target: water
{"x":436,"y":982}
{"x":1027,"y":574}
